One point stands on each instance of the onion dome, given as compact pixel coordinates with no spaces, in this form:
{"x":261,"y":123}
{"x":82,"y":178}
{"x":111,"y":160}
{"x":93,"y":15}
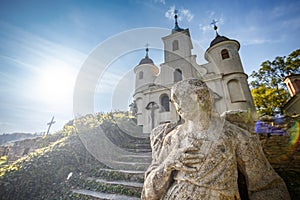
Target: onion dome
{"x":146,"y":60}
{"x":218,"y":37}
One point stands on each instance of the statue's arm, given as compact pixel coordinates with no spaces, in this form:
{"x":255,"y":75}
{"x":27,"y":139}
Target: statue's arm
{"x":156,"y":183}
{"x":157,"y":177}
{"x":262,"y":181}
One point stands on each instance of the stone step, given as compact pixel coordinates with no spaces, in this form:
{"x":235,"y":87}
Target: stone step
{"x":143,"y":145}
{"x":141,"y":141}
{"x":126,"y":175}
{"x":121,"y":187}
{"x":130,"y":127}
{"x":139,"y":150}
{"x":100,"y":195}
{"x":129,"y":184}
{"x":131,"y":172}
{"x":125,"y":165}
{"x":139,"y":158}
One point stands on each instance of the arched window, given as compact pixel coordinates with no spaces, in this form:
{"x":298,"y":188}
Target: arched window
{"x":235,"y":91}
{"x":165,"y":103}
{"x":225,"y":54}
{"x":141,"y":74}
{"x":177,"y":75}
{"x":175,"y":45}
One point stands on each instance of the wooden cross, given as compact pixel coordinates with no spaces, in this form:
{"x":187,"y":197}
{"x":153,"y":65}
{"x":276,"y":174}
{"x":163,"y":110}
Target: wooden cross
{"x":50,"y":124}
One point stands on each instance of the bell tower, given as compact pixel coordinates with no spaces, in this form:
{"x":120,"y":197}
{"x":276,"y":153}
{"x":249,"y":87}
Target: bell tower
{"x":145,"y":75}
{"x":178,"y":44}
{"x":178,"y":59}
{"x":224,"y":60}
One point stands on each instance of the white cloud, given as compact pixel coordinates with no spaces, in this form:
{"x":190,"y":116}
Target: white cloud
{"x":205,"y":28}
{"x":160,"y":1}
{"x":207,"y":24}
{"x":187,"y":14}
{"x":170,"y":13}
{"x":211,"y":14}
{"x":253,"y":41}
{"x":183,"y":14}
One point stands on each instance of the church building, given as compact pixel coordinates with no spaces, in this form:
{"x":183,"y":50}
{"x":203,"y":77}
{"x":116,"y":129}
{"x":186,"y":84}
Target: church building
{"x":223,"y":73}
{"x":293,"y":84}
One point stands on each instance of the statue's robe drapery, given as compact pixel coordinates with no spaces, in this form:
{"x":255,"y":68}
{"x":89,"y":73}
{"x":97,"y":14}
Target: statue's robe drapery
{"x":216,"y":176}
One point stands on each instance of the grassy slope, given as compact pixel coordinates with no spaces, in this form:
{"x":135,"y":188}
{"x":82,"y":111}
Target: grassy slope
{"x":43,"y":173}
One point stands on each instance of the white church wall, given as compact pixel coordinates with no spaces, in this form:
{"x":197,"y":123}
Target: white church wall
{"x":184,"y":46}
{"x":223,"y":73}
{"x":145,"y":75}
{"x":227,"y":65}
{"x":237,"y":93}
{"x":211,"y":68}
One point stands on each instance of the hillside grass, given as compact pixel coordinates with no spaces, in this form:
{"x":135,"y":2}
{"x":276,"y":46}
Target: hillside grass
{"x":43,"y":173}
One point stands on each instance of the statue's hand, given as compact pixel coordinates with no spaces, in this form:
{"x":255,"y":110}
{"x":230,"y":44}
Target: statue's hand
{"x":184,"y":159}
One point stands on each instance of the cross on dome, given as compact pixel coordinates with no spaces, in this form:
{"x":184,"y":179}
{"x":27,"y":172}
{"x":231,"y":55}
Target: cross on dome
{"x":214,"y":22}
{"x":147,"y":50}
{"x":146,"y":60}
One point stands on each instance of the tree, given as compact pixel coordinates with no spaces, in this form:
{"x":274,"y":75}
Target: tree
{"x":267,"y":87}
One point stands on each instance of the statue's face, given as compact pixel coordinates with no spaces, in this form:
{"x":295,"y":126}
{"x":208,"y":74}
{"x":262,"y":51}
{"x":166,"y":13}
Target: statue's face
{"x":204,"y":100}
{"x":184,"y":105}
{"x":189,"y":104}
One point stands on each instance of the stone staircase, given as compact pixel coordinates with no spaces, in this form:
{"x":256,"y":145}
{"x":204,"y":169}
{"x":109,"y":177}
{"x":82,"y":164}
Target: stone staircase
{"x":113,"y":184}
{"x":123,"y":183}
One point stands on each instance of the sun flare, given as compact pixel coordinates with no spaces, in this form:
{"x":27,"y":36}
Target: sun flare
{"x":56,"y":83}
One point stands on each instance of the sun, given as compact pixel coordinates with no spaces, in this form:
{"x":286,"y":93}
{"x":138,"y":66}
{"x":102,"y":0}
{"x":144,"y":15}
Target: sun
{"x":55,"y":84}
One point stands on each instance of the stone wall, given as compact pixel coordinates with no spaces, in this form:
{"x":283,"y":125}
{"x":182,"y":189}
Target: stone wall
{"x":280,"y":152}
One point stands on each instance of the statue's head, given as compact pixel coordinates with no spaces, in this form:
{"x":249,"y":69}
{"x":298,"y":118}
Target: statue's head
{"x":190,"y":97}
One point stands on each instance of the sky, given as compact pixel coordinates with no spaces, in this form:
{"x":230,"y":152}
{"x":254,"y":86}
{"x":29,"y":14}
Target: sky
{"x":45,"y":46}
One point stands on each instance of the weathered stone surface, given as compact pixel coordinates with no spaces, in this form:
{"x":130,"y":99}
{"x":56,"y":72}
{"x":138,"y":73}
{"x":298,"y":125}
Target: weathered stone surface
{"x":200,"y":158}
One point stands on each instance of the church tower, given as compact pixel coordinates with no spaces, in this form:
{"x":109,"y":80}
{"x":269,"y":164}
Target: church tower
{"x":178,"y":59}
{"x":223,"y":73}
{"x":145,"y":75}
{"x":229,"y":79}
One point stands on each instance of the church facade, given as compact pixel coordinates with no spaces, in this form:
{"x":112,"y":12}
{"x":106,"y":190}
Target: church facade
{"x":223,"y":73}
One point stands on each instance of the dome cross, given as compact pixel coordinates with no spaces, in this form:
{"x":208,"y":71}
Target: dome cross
{"x":214,"y":22}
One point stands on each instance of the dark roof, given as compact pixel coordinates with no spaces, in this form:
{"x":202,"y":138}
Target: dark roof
{"x":146,"y":60}
{"x":218,"y":39}
{"x":177,"y":28}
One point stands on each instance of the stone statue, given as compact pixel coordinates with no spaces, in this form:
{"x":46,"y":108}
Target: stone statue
{"x":133,"y":108}
{"x":200,"y":157}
